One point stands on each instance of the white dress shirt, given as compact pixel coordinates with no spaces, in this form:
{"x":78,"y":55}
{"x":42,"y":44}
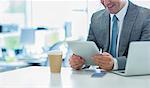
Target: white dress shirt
{"x":120,"y":15}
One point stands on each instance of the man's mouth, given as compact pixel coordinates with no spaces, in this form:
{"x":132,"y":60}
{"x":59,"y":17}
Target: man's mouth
{"x":110,"y":6}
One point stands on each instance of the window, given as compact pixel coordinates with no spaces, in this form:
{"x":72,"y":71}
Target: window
{"x":13,"y":12}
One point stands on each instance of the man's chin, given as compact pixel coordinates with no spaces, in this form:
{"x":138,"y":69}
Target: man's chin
{"x":111,"y":11}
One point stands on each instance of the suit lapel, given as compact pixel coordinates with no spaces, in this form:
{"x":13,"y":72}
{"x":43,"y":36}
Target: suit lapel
{"x":128,"y":23}
{"x":105,"y":20}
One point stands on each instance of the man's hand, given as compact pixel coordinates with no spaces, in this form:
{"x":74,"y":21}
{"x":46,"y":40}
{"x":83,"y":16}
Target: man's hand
{"x":76,"y":62}
{"x":104,"y":61}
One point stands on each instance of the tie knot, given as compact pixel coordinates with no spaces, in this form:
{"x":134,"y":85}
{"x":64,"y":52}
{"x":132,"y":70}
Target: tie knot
{"x":115,"y":18}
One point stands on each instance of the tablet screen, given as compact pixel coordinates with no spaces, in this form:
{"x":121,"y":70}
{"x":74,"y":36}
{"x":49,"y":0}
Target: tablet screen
{"x":85,"y":49}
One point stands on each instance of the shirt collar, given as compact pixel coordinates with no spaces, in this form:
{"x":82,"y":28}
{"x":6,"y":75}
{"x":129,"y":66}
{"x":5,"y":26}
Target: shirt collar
{"x":121,"y":14}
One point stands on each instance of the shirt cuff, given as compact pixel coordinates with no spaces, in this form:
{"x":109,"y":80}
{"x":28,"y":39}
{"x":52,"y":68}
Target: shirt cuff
{"x":115,"y":64}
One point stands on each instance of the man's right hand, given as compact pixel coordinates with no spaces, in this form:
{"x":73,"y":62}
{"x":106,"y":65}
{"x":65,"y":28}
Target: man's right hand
{"x":76,"y":62}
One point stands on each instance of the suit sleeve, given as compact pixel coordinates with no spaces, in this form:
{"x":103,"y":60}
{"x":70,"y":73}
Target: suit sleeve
{"x":91,"y":36}
{"x":145,"y":36}
{"x":121,"y":62}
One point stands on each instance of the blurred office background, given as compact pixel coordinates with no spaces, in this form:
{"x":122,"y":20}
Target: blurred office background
{"x":30,"y":28}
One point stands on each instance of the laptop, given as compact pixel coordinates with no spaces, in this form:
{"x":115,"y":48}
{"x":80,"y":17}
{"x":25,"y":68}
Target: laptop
{"x":138,"y":59}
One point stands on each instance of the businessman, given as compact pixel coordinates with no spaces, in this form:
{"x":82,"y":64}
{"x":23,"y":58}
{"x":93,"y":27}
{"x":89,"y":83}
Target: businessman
{"x":112,"y":29}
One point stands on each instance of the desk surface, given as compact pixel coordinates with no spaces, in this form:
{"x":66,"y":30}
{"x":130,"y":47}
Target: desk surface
{"x":40,"y":77}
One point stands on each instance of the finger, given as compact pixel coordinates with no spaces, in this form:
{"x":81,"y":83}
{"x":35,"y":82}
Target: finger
{"x":79,"y":60}
{"x":105,"y":53}
{"x":77,"y":66}
{"x":106,"y":66}
{"x":74,"y":59}
{"x":99,"y":60}
{"x":74,"y":62}
{"x":97,"y":55}
{"x":104,"y":61}
{"x":74,"y":67}
{"x":96,"y":61}
{"x":76,"y":56}
{"x":71,"y":58}
{"x":106,"y":58}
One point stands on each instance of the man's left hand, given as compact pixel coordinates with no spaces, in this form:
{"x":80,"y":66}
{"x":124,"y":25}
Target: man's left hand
{"x":104,"y":61}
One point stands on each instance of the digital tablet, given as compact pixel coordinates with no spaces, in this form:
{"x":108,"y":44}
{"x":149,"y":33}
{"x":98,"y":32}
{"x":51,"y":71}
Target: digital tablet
{"x":85,"y":49}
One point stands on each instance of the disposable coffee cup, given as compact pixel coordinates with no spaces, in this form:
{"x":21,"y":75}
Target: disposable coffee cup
{"x":55,"y":61}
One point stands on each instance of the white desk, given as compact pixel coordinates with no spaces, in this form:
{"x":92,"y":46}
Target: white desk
{"x":40,"y":77}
